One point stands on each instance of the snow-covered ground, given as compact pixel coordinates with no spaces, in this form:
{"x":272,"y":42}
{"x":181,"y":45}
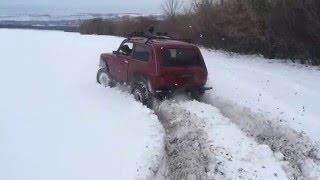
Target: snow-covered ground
{"x":56,"y":122}
{"x":275,"y":102}
{"x":286,"y":92}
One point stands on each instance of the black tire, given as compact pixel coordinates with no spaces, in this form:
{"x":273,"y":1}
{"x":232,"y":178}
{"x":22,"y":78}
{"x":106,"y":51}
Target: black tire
{"x":141,"y":93}
{"x":104,"y":71}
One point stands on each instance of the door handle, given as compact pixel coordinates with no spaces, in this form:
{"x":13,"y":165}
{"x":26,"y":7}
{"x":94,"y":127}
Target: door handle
{"x":127,"y":62}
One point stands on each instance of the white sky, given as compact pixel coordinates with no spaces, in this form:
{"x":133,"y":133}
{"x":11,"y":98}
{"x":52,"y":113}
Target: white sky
{"x":65,"y":6}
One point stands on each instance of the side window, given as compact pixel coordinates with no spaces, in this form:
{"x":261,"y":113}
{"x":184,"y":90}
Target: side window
{"x":141,"y":53}
{"x":126,"y":48}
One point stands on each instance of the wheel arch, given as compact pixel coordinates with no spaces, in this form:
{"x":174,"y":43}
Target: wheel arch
{"x":104,"y":61}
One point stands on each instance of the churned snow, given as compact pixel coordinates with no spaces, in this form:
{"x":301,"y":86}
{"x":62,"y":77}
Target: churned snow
{"x":218,"y":146}
{"x":56,"y":122}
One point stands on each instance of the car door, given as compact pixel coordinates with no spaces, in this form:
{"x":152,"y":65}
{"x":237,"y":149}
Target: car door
{"x":122,"y":63}
{"x":140,"y":60}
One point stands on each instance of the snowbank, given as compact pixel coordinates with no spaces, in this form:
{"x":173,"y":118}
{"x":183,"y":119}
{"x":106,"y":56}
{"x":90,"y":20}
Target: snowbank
{"x":56,"y":122}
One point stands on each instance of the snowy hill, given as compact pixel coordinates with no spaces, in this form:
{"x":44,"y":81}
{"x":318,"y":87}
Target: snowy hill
{"x":67,"y":17}
{"x":69,"y":22}
{"x":45,"y":17}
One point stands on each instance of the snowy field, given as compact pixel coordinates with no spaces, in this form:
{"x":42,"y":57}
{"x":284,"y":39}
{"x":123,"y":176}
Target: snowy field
{"x":260,"y":122}
{"x":56,"y":122}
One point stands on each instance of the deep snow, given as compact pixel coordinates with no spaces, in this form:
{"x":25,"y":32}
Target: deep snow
{"x":56,"y":122}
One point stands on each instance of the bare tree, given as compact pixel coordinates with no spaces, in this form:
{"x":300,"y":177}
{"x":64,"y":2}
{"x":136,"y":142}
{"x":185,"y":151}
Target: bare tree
{"x":172,"y":7}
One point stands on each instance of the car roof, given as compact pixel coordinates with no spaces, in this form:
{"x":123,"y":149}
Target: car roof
{"x":161,"y":41}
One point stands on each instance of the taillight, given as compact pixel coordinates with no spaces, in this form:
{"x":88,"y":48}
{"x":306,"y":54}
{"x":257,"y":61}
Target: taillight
{"x":164,"y":79}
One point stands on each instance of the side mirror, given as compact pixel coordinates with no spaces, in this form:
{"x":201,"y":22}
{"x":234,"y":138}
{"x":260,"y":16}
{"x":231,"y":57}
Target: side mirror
{"x":115,"y":52}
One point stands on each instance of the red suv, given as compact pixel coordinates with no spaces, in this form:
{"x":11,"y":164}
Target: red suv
{"x":155,"y":66}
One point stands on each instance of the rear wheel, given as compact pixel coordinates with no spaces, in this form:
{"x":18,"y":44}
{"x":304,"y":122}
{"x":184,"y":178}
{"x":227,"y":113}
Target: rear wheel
{"x":142,"y":94}
{"x":196,"y":94}
{"x":103,"y":78}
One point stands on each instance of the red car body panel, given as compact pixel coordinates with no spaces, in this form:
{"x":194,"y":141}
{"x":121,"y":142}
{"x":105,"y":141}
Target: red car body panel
{"x":160,"y":77}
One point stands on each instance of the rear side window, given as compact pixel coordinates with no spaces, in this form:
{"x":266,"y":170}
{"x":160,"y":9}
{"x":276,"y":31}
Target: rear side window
{"x":180,"y":57}
{"x":141,"y":53}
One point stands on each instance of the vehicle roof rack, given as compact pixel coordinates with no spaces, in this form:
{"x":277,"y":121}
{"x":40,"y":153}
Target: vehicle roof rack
{"x":158,"y":36}
{"x":150,"y":35}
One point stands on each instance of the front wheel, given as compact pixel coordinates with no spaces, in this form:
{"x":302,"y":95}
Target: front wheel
{"x":104,"y":78}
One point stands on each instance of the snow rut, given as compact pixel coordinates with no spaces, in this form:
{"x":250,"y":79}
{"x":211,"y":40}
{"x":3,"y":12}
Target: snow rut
{"x":303,"y":156}
{"x":201,"y":144}
{"x":186,"y":146}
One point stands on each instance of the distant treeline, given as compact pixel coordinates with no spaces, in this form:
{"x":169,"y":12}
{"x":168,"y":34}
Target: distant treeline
{"x":274,"y":28}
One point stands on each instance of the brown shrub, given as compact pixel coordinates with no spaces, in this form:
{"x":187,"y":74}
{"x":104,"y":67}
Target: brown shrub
{"x":274,"y":28}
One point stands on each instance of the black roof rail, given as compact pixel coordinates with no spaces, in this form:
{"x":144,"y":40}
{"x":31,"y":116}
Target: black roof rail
{"x":149,"y":36}
{"x":158,"y":35}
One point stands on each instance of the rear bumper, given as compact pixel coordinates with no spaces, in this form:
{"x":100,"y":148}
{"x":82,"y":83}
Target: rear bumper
{"x":205,"y":89}
{"x":167,"y":92}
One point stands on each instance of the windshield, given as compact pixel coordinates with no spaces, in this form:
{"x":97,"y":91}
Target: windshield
{"x":180,"y":57}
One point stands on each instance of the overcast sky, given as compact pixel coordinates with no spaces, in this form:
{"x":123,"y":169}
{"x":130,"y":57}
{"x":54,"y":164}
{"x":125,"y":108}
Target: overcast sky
{"x":72,"y":6}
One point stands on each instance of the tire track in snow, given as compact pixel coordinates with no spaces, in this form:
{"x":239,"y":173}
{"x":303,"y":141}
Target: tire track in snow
{"x":186,"y":146}
{"x":303,"y":156}
{"x":286,"y":144}
{"x":203,"y":144}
